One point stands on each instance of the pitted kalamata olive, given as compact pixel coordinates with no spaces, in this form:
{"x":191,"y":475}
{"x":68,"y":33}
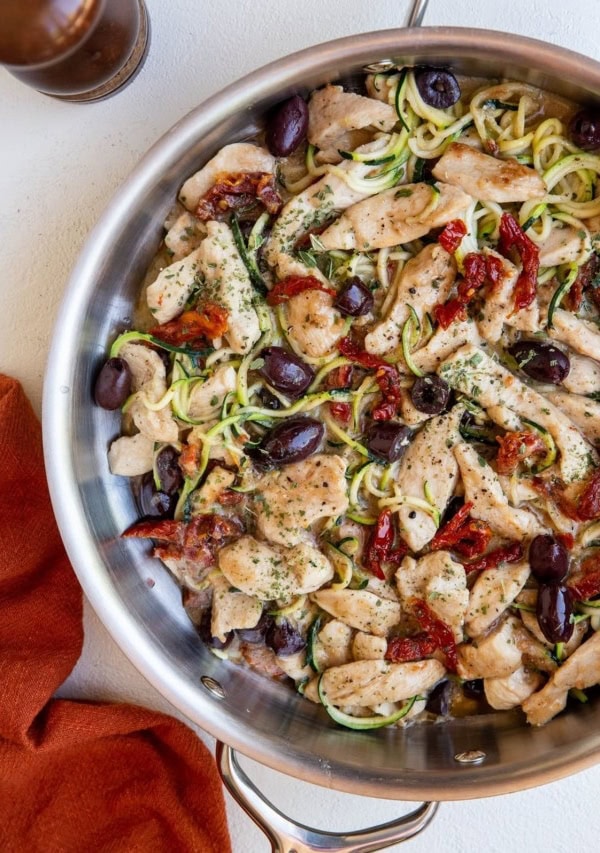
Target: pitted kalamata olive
{"x":541,"y":361}
{"x":438,"y":701}
{"x":113,"y":385}
{"x":269,"y":400}
{"x":430,"y":394}
{"x":584,"y":129}
{"x":354,"y":299}
{"x":286,"y":371}
{"x":284,"y":639}
{"x":205,"y":633}
{"x":290,"y":441}
{"x":452,"y":507}
{"x":548,"y":559}
{"x":259,"y":632}
{"x":153,"y":502}
{"x":168,"y":470}
{"x":287,"y":127}
{"x":473,"y":689}
{"x":438,"y":87}
{"x":553,"y":610}
{"x":387,"y":440}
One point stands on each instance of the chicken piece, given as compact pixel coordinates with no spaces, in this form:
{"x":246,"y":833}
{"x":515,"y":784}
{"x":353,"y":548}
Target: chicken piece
{"x":288,"y":501}
{"x":149,"y":382}
{"x":295,"y":665}
{"x":313,"y":323}
{"x":315,"y":206}
{"x":511,"y":690}
{"x":580,"y":335}
{"x":168,"y":293}
{"x":444,"y":342}
{"x":270,"y":573}
{"x":398,"y":215}
{"x":368,"y":646}
{"x":425,"y":280}
{"x":484,"y":490}
{"x":474,"y":373}
{"x":440,"y":581}
{"x":486,"y":177}
{"x":131,"y":455}
{"x":333,"y":112}
{"x":184,"y":235}
{"x":536,"y":655}
{"x":371,"y":682}
{"x":359,"y":609}
{"x":495,"y":655}
{"x":498,"y":306}
{"x":582,"y":411}
{"x":581,"y":670}
{"x":334,"y":645}
{"x":206,"y":398}
{"x":583,"y":376}
{"x":226,"y":282}
{"x":237,"y":157}
{"x":216,"y":482}
{"x":428,"y":459}
{"x":564,"y":245}
{"x":494,"y":591}
{"x":231,"y":609}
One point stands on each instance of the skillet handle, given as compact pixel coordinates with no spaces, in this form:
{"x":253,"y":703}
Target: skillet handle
{"x":287,"y":836}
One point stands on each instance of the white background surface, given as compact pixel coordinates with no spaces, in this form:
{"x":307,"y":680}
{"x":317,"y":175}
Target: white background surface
{"x":60,"y":164}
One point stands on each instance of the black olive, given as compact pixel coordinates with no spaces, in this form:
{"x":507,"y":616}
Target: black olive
{"x":438,"y":87}
{"x":168,"y":470}
{"x":387,"y":440}
{"x":268,"y":400}
{"x":354,"y":299}
{"x":430,"y":394}
{"x":153,"y":502}
{"x":452,"y":507}
{"x":541,"y":361}
{"x":286,"y":371}
{"x":554,"y":609}
{"x":473,"y":689}
{"x":292,"y":440}
{"x":548,"y":559}
{"x":584,"y":129}
{"x":113,"y":385}
{"x":258,"y":633}
{"x":438,"y":701}
{"x":287,"y":127}
{"x":284,"y":639}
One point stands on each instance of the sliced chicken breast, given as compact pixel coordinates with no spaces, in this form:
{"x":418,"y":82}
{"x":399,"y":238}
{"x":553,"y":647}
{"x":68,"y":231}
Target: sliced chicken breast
{"x":371,"y":682}
{"x":359,"y":609}
{"x":440,"y":581}
{"x":333,"y":112}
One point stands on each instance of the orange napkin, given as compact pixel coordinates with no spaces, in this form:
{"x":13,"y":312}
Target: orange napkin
{"x":78,"y":776}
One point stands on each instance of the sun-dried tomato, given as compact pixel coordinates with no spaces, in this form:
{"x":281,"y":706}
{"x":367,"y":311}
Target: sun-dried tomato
{"x":586,"y":583}
{"x":468,"y":536}
{"x":451,"y":237}
{"x":386,"y":376}
{"x":512,"y":236}
{"x":340,"y":377}
{"x":194,"y":328}
{"x":506,"y":554}
{"x":380,"y":545}
{"x":553,"y":489}
{"x":516,"y":447}
{"x":230,"y":498}
{"x":405,"y":649}
{"x":237,"y":191}
{"x":588,"y":505}
{"x":342,"y":412}
{"x":197,"y":540}
{"x":292,"y":285}
{"x":567,"y":540}
{"x":437,"y":629}
{"x":586,"y":276}
{"x":475,"y":271}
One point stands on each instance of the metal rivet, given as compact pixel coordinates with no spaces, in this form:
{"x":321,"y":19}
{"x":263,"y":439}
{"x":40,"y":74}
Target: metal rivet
{"x":379,"y":67}
{"x":213,"y":686}
{"x":471,"y":756}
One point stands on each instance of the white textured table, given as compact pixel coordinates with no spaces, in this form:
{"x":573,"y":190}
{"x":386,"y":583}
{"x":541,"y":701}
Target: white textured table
{"x":60,"y":165}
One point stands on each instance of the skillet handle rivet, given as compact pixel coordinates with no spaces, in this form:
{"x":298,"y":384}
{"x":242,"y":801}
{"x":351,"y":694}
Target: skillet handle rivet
{"x":213,"y":686}
{"x":471,"y":756}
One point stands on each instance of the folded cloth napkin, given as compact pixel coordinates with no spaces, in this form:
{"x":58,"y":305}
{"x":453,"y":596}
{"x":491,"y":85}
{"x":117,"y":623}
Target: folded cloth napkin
{"x":78,"y":776}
